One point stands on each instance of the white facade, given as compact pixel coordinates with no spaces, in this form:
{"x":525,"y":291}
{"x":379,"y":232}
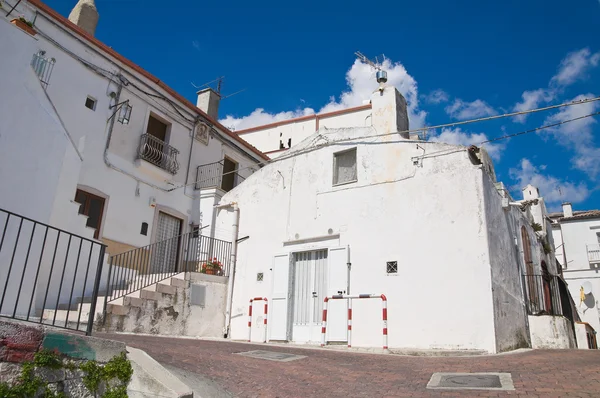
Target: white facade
{"x":431,"y":208}
{"x":60,"y":134}
{"x":577,"y":242}
{"x":274,"y":139}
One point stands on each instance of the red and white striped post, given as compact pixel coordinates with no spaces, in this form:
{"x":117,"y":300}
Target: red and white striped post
{"x":349,"y":298}
{"x":250,"y":317}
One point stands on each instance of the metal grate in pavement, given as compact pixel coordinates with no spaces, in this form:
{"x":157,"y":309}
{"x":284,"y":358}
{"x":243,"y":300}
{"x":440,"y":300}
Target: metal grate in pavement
{"x":471,"y":381}
{"x":271,"y":355}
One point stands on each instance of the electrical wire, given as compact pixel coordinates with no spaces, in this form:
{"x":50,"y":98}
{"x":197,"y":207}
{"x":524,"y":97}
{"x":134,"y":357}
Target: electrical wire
{"x":424,"y":156}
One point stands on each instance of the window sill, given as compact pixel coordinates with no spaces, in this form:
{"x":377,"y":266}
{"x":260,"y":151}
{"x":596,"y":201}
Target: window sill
{"x":344,"y":183}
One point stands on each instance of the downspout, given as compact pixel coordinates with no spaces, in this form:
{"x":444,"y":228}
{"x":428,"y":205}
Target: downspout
{"x":230,"y":281}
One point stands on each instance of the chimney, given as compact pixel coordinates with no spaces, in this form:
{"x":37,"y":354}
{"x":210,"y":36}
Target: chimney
{"x":208,"y":101}
{"x":567,"y":209}
{"x":85,"y":15}
{"x":389,"y":113}
{"x":530,"y":192}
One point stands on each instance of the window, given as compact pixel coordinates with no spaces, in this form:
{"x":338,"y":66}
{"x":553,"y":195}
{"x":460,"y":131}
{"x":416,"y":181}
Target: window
{"x":92,"y":206}
{"x":260,"y":277}
{"x":144,"y":230}
{"x":344,"y":167}
{"x":157,"y":128}
{"x":90,"y":103}
{"x":392,"y":267}
{"x":229,"y":173}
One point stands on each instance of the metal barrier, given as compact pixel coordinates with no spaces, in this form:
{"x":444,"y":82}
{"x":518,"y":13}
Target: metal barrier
{"x":250,"y":317}
{"x":46,"y":273}
{"x":145,"y":266}
{"x":349,"y":333}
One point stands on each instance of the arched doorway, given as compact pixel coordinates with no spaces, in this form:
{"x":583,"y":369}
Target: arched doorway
{"x":529,"y":274}
{"x":547,"y":279}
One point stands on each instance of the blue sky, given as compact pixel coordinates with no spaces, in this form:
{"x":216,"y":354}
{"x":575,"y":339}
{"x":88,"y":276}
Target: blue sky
{"x":452,"y":60}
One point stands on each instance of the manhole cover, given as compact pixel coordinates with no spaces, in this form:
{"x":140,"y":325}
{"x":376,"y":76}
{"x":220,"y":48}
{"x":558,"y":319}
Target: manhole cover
{"x":471,"y":381}
{"x":271,"y":355}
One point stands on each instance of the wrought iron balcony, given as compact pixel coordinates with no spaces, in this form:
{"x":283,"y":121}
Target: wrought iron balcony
{"x":159,"y":153}
{"x":211,"y":175}
{"x":543,"y":295}
{"x":593,"y":252}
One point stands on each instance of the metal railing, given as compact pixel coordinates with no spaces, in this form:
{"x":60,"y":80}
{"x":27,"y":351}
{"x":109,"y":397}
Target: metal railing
{"x":593,"y":252}
{"x":543,"y":295}
{"x":145,"y":266}
{"x":43,"y":67}
{"x":46,"y":271}
{"x":211,"y":176}
{"x":159,"y":153}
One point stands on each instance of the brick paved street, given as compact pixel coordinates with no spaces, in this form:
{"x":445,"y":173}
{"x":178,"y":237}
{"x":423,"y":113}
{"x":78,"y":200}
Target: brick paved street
{"x":329,"y":373}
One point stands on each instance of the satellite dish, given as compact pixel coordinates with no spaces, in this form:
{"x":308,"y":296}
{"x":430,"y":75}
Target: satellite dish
{"x":587,"y":287}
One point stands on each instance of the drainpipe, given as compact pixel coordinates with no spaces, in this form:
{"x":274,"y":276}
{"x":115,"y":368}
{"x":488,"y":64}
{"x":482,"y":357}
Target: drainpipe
{"x":234,"y":244}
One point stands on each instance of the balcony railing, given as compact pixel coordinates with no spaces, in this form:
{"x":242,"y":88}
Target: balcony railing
{"x":211,"y":176}
{"x":593,"y":253}
{"x":159,"y":153}
{"x":43,"y":67}
{"x":543,"y":295}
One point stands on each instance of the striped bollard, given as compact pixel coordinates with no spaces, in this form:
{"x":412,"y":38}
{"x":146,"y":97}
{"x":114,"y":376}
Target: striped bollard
{"x":250,"y":321}
{"x":324,"y":325}
{"x":349,"y":323}
{"x":250,"y":317}
{"x":385,"y":326}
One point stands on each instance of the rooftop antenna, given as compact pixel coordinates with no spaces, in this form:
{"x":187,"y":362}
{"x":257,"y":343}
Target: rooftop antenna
{"x":219,"y":81}
{"x":381,"y":75}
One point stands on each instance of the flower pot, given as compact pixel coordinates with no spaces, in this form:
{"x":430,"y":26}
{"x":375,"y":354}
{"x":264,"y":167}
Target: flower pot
{"x":24,"y":26}
{"x":210,"y":271}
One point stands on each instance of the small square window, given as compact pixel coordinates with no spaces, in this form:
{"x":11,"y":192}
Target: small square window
{"x":260,"y":276}
{"x":90,"y":103}
{"x":392,"y":267}
{"x":344,"y":167}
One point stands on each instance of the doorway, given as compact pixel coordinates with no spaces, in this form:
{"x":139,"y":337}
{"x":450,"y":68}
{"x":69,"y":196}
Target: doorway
{"x":165,"y":254}
{"x":229,"y":173}
{"x":91,"y":206}
{"x":309,"y":287}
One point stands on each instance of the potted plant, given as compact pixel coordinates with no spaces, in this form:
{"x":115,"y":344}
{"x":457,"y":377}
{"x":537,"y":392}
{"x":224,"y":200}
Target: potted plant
{"x":212,"y":267}
{"x":24,"y":24}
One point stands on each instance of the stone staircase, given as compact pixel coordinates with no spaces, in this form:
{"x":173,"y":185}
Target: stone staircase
{"x":76,"y":316}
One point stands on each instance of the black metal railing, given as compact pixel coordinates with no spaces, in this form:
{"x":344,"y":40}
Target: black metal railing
{"x":211,"y":176}
{"x":45,"y":272}
{"x":159,"y":153}
{"x":145,"y":266}
{"x":543,"y":295}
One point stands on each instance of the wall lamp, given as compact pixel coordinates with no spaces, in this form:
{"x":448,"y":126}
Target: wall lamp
{"x":124,"y":110}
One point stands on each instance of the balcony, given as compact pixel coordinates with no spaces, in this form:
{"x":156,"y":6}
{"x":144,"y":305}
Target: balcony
{"x":543,"y":295}
{"x":159,"y":153}
{"x":593,"y":252}
{"x":222,"y":174}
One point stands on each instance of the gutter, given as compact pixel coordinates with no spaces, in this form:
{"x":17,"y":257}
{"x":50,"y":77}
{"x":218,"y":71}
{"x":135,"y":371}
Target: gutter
{"x":234,"y":244}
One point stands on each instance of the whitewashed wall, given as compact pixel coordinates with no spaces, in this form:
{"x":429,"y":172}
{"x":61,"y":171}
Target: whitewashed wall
{"x":442,"y":295}
{"x":576,"y":235}
{"x":129,"y":190}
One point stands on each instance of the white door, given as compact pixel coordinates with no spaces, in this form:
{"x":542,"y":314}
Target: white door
{"x":164,"y":252}
{"x":278,"y":307}
{"x":309,"y":276}
{"x":337,"y":312}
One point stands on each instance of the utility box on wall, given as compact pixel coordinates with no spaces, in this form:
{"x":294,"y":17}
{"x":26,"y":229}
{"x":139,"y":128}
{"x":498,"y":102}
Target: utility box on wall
{"x":198,"y":295}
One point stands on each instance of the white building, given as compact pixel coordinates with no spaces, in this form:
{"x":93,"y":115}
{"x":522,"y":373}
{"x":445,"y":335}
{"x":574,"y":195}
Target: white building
{"x":275,"y":138}
{"x":577,"y":242}
{"x":351,"y":211}
{"x":93,"y":144}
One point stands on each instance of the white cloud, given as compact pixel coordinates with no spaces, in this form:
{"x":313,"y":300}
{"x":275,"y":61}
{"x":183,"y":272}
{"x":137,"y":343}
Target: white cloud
{"x":551,"y":188}
{"x":462,"y":110}
{"x":361,"y":82}
{"x":436,"y":97}
{"x":577,"y":135}
{"x":456,"y":136}
{"x":574,"y":67}
{"x":259,"y":117}
{"x":531,"y":100}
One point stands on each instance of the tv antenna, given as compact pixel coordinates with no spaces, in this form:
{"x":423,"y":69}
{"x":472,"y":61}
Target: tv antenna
{"x":219,"y":80}
{"x":381,"y":75}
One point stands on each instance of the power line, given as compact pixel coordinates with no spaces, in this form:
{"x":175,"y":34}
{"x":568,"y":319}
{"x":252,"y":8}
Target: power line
{"x":427,"y":155}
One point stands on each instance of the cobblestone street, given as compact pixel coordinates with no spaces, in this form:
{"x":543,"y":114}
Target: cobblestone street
{"x":333,"y":373}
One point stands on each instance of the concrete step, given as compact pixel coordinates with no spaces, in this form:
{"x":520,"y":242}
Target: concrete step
{"x":117,"y":309}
